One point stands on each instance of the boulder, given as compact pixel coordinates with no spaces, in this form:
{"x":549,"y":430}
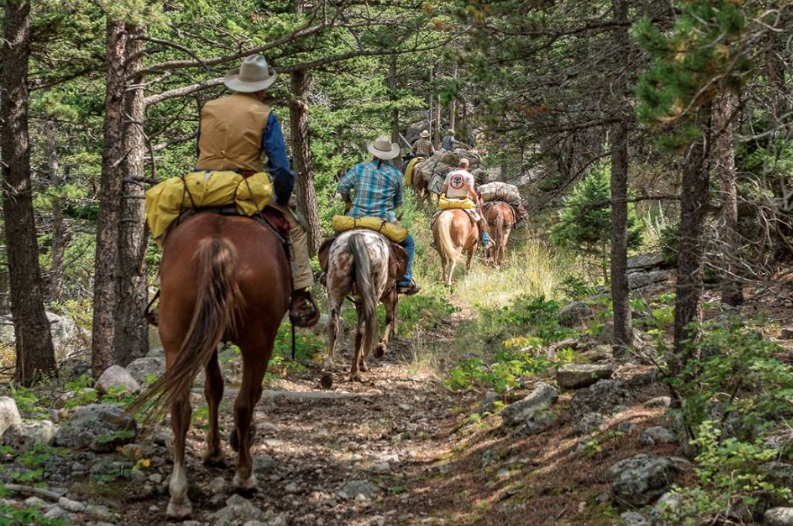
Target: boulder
{"x":642,"y":479}
{"x":577,"y":375}
{"x":656,"y":435}
{"x":26,"y":435}
{"x":99,"y":427}
{"x":646,"y":261}
{"x":631,"y":518}
{"x":116,"y":377}
{"x":600,"y":397}
{"x":658,"y":402}
{"x":588,"y":423}
{"x":238,"y":510}
{"x":778,"y":517}
{"x":532,"y":414}
{"x":780,"y":475}
{"x":9,"y":413}
{"x":143,"y":368}
{"x":574,"y":314}
{"x":68,"y":339}
{"x":670,"y":510}
{"x":639,"y":280}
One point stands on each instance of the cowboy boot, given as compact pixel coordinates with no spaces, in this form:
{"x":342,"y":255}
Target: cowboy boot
{"x":303,"y":312}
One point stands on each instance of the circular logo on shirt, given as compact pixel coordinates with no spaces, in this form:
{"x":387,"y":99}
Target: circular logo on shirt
{"x":457,"y":181}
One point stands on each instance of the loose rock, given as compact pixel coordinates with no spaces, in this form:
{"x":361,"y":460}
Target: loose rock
{"x":99,"y":427}
{"x":631,"y":518}
{"x":656,"y":435}
{"x":574,"y":313}
{"x":143,"y":369}
{"x":577,"y":375}
{"x":26,"y":435}
{"x":640,"y":480}
{"x":115,"y":378}
{"x":532,"y":415}
{"x":353,"y":488}
{"x":9,"y":413}
{"x":588,"y":423}
{"x":778,"y":517}
{"x":600,"y":397}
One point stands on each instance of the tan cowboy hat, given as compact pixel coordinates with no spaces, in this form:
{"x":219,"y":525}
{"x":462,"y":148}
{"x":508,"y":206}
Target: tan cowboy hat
{"x":450,"y":131}
{"x":383,"y":148}
{"x":254,"y":75}
{"x":425,"y":133}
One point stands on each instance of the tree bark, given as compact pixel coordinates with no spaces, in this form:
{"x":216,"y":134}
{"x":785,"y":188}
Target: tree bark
{"x":724,"y":155}
{"x":304,"y":168}
{"x":620,"y":298}
{"x":59,"y":234}
{"x":35,"y":355}
{"x":693,"y":212}
{"x":131,"y":338}
{"x":392,"y":88}
{"x":110,"y":193}
{"x":453,"y":103}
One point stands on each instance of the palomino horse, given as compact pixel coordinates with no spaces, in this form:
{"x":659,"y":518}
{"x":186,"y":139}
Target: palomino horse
{"x":365,"y":265}
{"x":454,"y":233}
{"x":500,"y":216}
{"x":222,"y":278}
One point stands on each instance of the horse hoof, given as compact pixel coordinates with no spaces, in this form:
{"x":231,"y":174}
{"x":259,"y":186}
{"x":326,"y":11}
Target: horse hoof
{"x":179,"y":511}
{"x":379,"y":351}
{"x":326,"y":382}
{"x":355,"y":377}
{"x":246,"y":487}
{"x":216,"y":460}
{"x":363,"y":367}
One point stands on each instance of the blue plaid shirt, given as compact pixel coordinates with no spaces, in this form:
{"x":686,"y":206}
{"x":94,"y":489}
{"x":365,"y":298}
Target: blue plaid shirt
{"x":377,"y":191}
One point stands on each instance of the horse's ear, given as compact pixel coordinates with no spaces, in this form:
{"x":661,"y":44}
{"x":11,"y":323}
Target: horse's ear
{"x":397,"y":262}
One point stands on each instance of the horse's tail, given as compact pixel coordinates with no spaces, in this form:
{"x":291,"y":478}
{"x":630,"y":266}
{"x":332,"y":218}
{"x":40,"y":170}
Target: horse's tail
{"x":498,"y":231}
{"x":445,"y":242}
{"x":217,"y":306}
{"x":366,"y":289}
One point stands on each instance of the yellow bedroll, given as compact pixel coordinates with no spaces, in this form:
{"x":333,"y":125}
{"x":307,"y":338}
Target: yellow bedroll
{"x":200,"y":189}
{"x":408,"y":180}
{"x":450,"y":203}
{"x":390,"y":230}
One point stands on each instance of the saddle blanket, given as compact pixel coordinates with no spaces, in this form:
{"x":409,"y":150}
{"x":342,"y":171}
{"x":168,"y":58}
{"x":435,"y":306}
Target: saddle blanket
{"x":392,"y":231}
{"x":203,"y":189}
{"x":473,"y":214}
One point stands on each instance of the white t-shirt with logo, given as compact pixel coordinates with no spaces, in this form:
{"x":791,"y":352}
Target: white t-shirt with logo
{"x":459,"y":181}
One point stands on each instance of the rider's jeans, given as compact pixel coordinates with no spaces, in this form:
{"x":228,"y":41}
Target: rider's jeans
{"x":410,"y":248}
{"x":302,"y":277}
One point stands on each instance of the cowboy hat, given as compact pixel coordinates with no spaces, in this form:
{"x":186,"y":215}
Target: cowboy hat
{"x":383,"y":148}
{"x":253,"y":75}
{"x":450,"y":131}
{"x":425,"y":133}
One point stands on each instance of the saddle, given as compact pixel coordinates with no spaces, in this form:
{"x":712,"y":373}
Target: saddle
{"x":270,"y":217}
{"x":397,"y":258}
{"x":471,"y":213}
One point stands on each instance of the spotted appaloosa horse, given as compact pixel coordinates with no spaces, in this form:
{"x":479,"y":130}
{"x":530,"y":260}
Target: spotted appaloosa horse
{"x":454,"y":233}
{"x":222,"y":278}
{"x":500,"y":216}
{"x":362,"y":264}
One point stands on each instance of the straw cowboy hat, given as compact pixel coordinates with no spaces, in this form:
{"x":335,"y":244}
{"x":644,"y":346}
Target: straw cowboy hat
{"x":383,"y":148}
{"x":254,"y":75}
{"x":450,"y":131}
{"x":425,"y":133}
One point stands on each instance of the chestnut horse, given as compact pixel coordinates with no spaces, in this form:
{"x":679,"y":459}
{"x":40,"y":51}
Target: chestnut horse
{"x":365,"y":265}
{"x":223,"y":278}
{"x":454,"y":233}
{"x":501,"y":217}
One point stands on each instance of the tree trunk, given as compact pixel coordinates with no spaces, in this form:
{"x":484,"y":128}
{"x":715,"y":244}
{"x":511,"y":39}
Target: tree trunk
{"x":35,"y":356}
{"x":59,"y":234}
{"x":724,"y":155}
{"x":131,"y":338}
{"x":110,"y":193}
{"x":693,"y":212}
{"x":304,"y":169}
{"x":392,"y":88}
{"x":453,"y":104}
{"x":620,"y":295}
{"x":439,"y":131}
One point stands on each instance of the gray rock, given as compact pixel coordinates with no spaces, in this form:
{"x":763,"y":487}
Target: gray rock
{"x":627,"y":427}
{"x":646,"y":261}
{"x":600,"y":397}
{"x":238,"y":510}
{"x":574,"y":313}
{"x":658,"y":401}
{"x":143,"y":368}
{"x":649,"y":377}
{"x":116,"y":377}
{"x":353,"y":488}
{"x":263,"y":464}
{"x":28,"y":434}
{"x":217,"y":485}
{"x":68,"y":339}
{"x":488,"y":403}
{"x":640,"y":480}
{"x":639,"y":280}
{"x":532,"y":415}
{"x":577,"y":375}
{"x":156,"y":352}
{"x":778,"y":517}
{"x":631,"y":518}
{"x":780,"y":475}
{"x":99,"y":427}
{"x":588,"y":423}
{"x":656,"y":435}
{"x":669,"y":510}
{"x":71,"y":505}
{"x":56,"y":513}
{"x":9,"y":413}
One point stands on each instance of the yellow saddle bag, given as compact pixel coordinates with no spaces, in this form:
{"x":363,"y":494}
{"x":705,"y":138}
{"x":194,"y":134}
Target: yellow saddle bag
{"x":394,"y":232}
{"x":202,"y":189}
{"x":450,"y":203}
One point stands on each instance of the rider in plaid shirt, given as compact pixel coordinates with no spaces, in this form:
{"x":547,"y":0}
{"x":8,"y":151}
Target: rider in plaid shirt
{"x":377,"y":190}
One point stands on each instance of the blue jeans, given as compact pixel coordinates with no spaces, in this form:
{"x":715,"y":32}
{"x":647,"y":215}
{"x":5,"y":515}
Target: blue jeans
{"x":410,"y":248}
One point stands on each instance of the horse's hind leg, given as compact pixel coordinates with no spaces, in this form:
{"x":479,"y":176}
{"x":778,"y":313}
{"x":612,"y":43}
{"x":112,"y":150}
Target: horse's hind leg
{"x":355,"y":375}
{"x":333,"y":330}
{"x":255,"y":355}
{"x":213,"y":391}
{"x":390,"y":302}
{"x":179,"y":506}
